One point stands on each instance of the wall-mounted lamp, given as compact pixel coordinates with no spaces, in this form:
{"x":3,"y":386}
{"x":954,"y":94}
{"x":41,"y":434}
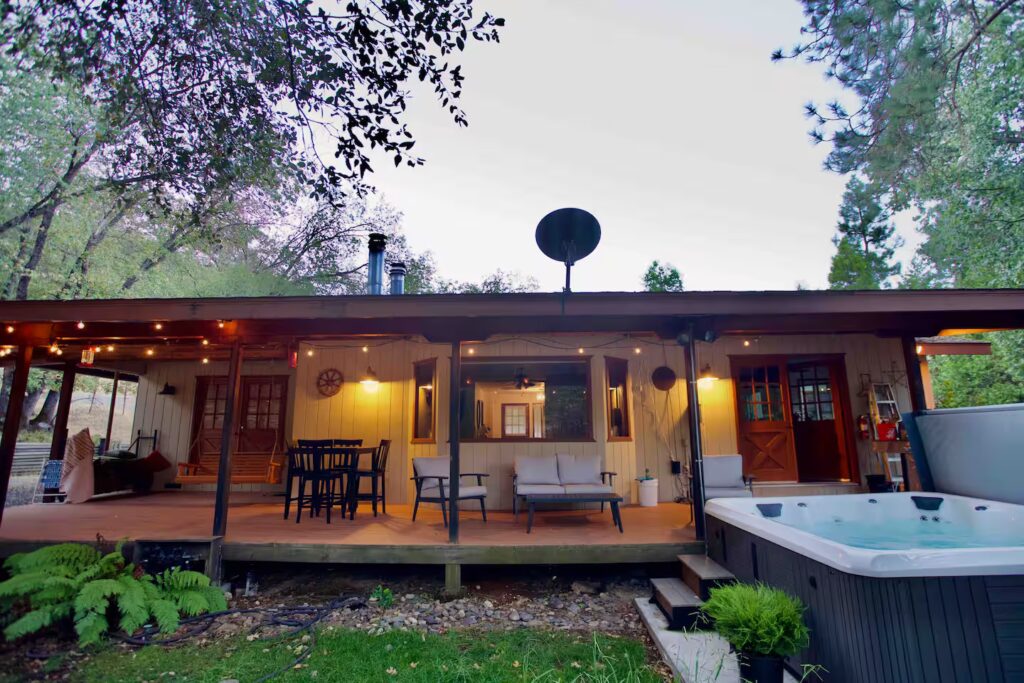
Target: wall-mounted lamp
{"x":369,"y":379}
{"x":706,"y":377}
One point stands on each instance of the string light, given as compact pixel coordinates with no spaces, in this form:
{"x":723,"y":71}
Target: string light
{"x":220,"y":324}
{"x":53,"y":348}
{"x":471,"y":350}
{"x":206,"y":342}
{"x":636,"y":350}
{"x":110,"y":347}
{"x":746,"y":342}
{"x":80,"y":325}
{"x":309,"y":352}
{"x":206,"y":361}
{"x":158,"y":326}
{"x":366,"y":349}
{"x":10,"y":329}
{"x":150,"y":352}
{"x":579,"y":350}
{"x":60,"y":352}
{"x":97,"y":349}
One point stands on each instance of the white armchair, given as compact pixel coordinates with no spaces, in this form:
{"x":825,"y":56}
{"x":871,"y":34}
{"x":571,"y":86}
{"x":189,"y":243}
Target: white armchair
{"x":723,"y":477}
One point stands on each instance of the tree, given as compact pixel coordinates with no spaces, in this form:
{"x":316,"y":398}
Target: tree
{"x":866,"y":241}
{"x":661,"y":277}
{"x":189,"y":97}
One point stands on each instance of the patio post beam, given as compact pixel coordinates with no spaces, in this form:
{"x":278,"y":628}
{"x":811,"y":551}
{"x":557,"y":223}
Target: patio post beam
{"x":60,"y":420}
{"x":227,"y":444}
{"x":915,"y":379}
{"x":454,"y":433}
{"x":110,"y":413}
{"x":696,"y":446}
{"x":12,"y":421}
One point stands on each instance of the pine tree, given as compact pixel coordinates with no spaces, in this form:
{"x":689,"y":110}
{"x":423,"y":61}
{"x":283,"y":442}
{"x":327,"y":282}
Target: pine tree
{"x":866,"y":241}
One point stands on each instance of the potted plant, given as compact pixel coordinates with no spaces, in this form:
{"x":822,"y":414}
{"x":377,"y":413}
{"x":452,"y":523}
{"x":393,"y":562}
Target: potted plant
{"x":762,"y":624}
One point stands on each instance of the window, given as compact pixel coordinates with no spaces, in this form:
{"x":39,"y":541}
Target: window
{"x":810,"y":393}
{"x":618,"y":399}
{"x":424,"y":372}
{"x":760,"y":394}
{"x":543,"y":399}
{"x":515,"y":419}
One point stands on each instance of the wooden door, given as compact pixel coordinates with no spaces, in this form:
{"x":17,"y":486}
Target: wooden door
{"x":765,"y":428}
{"x":820,"y":450}
{"x":260,"y":420}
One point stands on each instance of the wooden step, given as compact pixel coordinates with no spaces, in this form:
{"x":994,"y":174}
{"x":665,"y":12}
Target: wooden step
{"x":678,"y":603}
{"x":701,"y":574}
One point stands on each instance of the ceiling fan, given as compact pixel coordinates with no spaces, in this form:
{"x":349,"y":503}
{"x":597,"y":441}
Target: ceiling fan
{"x":522,"y":381}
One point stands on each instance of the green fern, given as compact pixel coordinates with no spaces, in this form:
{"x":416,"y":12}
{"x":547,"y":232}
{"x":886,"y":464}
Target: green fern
{"x":75,"y":582}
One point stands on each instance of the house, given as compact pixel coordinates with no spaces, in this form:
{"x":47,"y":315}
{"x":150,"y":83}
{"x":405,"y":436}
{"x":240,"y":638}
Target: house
{"x":779,"y":377}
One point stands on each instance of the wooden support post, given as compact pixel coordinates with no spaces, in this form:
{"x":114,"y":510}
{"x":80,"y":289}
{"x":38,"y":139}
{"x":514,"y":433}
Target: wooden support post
{"x":696,"y":447}
{"x":915,"y":382}
{"x":227,"y":441}
{"x":60,"y":420}
{"x":110,"y":415}
{"x":454,"y":433}
{"x":12,"y":420}
{"x":453,"y":578}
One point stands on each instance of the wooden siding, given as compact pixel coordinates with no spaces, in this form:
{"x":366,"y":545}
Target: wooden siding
{"x":172,"y":415}
{"x":658,"y":417}
{"x":865,"y":356}
{"x":899,"y":630}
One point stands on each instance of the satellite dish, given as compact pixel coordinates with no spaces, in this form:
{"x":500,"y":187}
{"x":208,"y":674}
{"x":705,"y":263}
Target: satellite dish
{"x":568,"y":235}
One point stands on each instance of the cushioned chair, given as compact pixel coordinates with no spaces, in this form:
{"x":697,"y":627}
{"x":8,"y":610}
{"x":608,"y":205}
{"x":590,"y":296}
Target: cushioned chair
{"x":558,"y":474}
{"x":723,"y":477}
{"x":432,"y":485}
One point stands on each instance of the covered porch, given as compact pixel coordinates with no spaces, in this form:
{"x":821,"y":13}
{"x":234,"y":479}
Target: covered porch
{"x":595,"y":345}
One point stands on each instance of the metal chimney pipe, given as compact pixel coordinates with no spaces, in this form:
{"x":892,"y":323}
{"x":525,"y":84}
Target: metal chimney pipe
{"x":375,"y":273}
{"x":397,"y":278}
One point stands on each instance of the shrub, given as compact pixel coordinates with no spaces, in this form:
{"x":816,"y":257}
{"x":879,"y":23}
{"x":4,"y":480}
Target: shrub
{"x":382,"y":596}
{"x":757,"y":619}
{"x":76,"y":582}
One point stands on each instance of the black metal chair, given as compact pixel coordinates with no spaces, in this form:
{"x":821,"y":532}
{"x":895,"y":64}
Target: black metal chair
{"x":431,"y":477}
{"x":378,"y":480}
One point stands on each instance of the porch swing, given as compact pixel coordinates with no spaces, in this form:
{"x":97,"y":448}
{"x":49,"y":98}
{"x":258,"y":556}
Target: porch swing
{"x":246,"y":468}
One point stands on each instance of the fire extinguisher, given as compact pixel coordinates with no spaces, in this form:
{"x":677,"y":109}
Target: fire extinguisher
{"x":863,"y":427}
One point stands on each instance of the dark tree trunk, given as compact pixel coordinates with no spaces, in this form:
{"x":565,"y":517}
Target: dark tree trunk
{"x":47,"y":413}
{"x":37,"y":253}
{"x":17,"y":263}
{"x":31,"y":398}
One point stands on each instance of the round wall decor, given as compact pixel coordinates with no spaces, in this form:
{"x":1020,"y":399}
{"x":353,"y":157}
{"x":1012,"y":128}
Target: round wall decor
{"x":329,"y":381}
{"x":663,"y":378}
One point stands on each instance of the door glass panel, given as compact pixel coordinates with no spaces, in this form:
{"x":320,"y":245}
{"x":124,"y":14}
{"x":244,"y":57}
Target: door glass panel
{"x":810,"y":392}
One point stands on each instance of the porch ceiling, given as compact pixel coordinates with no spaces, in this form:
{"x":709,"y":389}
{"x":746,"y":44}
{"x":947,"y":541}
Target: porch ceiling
{"x":268,"y":326}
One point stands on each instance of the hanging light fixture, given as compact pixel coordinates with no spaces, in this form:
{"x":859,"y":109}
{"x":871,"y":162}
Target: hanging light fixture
{"x":706,"y":377}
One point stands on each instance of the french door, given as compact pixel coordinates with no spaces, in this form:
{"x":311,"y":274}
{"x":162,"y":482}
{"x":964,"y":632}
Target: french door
{"x":261,"y":410}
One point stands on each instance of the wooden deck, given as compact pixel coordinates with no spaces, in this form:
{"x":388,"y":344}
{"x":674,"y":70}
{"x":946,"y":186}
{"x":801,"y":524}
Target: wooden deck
{"x":257,"y":532}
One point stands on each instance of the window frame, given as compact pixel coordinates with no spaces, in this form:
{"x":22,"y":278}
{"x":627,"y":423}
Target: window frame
{"x":432,"y":362}
{"x":526,"y":426}
{"x":470,"y":361}
{"x":623,"y":365}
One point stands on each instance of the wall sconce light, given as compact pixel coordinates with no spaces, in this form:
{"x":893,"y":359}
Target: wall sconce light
{"x":706,"y":377}
{"x":369,"y":379}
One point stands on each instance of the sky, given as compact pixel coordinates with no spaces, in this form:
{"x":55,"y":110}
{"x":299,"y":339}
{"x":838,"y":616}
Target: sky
{"x":666,"y":119}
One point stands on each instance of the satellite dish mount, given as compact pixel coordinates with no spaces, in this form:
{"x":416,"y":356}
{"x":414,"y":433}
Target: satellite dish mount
{"x":568,"y":235}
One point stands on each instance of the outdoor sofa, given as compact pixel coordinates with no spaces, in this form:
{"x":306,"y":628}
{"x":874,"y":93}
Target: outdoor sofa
{"x":561,"y":474}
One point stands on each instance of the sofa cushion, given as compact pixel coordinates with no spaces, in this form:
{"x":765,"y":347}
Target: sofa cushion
{"x":464,"y":491}
{"x":536,"y":469}
{"x":539,"y":489}
{"x":588,"y":488}
{"x":579,"y":469}
{"x":432,"y":467}
{"x":725,"y":492}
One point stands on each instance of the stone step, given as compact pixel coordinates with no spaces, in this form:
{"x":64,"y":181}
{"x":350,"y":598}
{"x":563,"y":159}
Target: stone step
{"x":701,"y":574}
{"x":678,"y":603}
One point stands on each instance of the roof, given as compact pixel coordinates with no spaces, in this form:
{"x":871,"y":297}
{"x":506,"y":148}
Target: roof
{"x":445,"y":317}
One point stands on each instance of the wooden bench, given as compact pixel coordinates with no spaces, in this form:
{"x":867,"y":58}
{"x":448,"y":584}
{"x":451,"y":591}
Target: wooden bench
{"x":246,"y":468}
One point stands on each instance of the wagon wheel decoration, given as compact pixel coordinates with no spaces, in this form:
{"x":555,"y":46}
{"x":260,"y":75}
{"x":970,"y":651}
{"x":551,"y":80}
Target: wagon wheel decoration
{"x":328,"y":382}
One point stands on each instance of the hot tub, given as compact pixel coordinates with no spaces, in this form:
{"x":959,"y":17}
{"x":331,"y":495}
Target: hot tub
{"x":899,"y":587}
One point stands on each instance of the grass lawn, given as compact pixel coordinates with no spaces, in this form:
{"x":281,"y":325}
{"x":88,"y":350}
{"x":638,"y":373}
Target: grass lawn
{"x":346,"y":655}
